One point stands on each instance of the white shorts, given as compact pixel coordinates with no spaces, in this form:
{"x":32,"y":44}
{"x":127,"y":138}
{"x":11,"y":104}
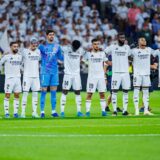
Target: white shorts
{"x":13,"y":85}
{"x":119,"y":79}
{"x":96,"y":83}
{"x":73,"y":81}
{"x":140,"y":80}
{"x":31,"y":83}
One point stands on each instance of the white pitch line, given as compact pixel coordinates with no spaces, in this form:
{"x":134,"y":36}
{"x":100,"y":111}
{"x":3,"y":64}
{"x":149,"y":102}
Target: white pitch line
{"x":79,"y":135}
{"x":79,"y":126}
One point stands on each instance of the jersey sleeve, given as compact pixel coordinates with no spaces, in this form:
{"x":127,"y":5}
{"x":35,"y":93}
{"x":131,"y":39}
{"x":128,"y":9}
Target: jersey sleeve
{"x":129,"y":51}
{"x":85,"y":56}
{"x":39,"y":53}
{"x":132,"y":52}
{"x":59,"y":54}
{"x":3,"y":60}
{"x":41,"y":48}
{"x":155,"y":52}
{"x":108,"y":50}
{"x":105,"y":57}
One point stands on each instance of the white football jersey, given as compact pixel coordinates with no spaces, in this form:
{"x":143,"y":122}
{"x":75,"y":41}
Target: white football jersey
{"x":141,"y":61}
{"x":12,"y":64}
{"x":96,"y":63}
{"x":120,"y":62}
{"x":157,"y":53}
{"x":31,"y":62}
{"x":72,"y":60}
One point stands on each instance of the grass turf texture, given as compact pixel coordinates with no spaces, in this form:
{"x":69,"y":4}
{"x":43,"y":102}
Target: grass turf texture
{"x":111,"y":138}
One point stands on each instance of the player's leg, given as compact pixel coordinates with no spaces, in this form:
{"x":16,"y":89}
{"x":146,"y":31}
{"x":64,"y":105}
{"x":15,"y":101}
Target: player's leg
{"x":115,"y":84}
{"x":63,"y":102}
{"x":103,"y":103}
{"x":137,"y":82}
{"x":91,"y":88}
{"x":26,"y":87}
{"x":45,"y":79}
{"x":88,"y":103}
{"x":66,"y":85}
{"x":35,"y":86}
{"x":77,"y":87}
{"x":16,"y":104}
{"x":108,"y":102}
{"x":8,"y":90}
{"x":101,"y":86}
{"x":126,"y":84}
{"x":17,"y":90}
{"x":53,"y":89}
{"x":6,"y":105}
{"x":145,"y":89}
{"x":78,"y":103}
{"x":125,"y":102}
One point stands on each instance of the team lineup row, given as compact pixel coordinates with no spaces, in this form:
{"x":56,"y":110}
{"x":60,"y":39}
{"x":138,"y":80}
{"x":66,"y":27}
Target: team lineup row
{"x":48,"y":55}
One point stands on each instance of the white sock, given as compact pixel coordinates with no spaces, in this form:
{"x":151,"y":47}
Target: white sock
{"x":24,"y":102}
{"x":16,"y":105}
{"x":136,"y":98}
{"x":145,"y":98}
{"x":103,"y":104}
{"x":34,"y":102}
{"x":114,"y":101}
{"x":125,"y":101}
{"x":88,"y":105}
{"x":6,"y":105}
{"x":78,"y":102}
{"x":63,"y":102}
{"x":53,"y":111}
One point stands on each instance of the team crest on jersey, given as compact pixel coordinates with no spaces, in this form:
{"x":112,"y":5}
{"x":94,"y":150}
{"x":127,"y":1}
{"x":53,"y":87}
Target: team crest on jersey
{"x":29,"y":53}
{"x":11,"y":58}
{"x":55,"y":49}
{"x":116,"y":48}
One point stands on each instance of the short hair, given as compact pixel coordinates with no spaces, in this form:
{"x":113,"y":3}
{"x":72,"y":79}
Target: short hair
{"x":49,"y":31}
{"x":121,"y":34}
{"x":14,"y":42}
{"x":94,"y":40}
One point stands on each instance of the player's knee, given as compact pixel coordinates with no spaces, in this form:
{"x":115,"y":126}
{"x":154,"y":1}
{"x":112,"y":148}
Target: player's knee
{"x":35,"y":94}
{"x":7,"y":95}
{"x":102,"y":95}
{"x":125,"y":91}
{"x":114,"y":91}
{"x":25,"y":94}
{"x":65,"y":92}
{"x":89,"y":96}
{"x":44,"y":89}
{"x":16,"y":95}
{"x":77,"y":92}
{"x":53,"y":88}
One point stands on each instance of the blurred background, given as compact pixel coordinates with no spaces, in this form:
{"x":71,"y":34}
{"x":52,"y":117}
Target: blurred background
{"x":82,"y":20}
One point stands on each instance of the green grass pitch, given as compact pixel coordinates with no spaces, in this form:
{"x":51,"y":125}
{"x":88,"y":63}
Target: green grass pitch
{"x":72,"y":138}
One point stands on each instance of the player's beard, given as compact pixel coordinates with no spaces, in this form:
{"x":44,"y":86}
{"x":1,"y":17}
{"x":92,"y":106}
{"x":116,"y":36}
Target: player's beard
{"x":121,"y":43}
{"x":51,"y":39}
{"x":15,"y":51}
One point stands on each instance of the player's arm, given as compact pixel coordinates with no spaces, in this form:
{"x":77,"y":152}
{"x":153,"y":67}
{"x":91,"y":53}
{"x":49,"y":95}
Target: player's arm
{"x":2,"y":61}
{"x":154,"y":66}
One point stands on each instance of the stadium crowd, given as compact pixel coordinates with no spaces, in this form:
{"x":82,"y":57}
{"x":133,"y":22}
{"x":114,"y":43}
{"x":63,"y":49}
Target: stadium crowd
{"x":81,"y":19}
